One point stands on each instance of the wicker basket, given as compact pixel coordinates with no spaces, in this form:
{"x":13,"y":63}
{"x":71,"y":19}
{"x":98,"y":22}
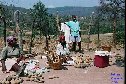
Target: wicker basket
{"x":56,"y":66}
{"x":106,"y":48}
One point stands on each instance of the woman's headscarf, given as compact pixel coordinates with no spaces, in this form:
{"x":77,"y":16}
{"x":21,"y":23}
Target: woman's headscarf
{"x":11,"y":40}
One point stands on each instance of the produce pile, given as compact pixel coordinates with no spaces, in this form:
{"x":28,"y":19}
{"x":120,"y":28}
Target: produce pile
{"x":36,"y":78}
{"x":106,"y":48}
{"x":82,"y":61}
{"x":120,"y":61}
{"x":12,"y":80}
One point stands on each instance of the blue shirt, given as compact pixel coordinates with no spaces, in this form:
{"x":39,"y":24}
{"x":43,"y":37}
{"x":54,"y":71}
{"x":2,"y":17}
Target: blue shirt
{"x":74,"y":26}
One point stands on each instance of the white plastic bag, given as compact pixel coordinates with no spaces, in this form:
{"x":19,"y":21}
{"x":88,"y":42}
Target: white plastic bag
{"x":30,"y":66}
{"x":61,"y":51}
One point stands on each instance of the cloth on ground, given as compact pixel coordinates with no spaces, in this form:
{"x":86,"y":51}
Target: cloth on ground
{"x":9,"y":63}
{"x":69,"y":63}
{"x":31,"y":67}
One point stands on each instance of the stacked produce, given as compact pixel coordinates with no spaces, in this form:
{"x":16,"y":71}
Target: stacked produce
{"x":106,"y":48}
{"x":82,"y":61}
{"x":12,"y":80}
{"x":119,"y":61}
{"x":110,"y":60}
{"x":36,"y":78}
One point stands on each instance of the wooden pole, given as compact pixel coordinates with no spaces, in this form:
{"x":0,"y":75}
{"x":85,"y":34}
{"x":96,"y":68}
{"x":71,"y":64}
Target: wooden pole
{"x":114,"y":32}
{"x":57,"y":19}
{"x":18,"y":30}
{"x":90,"y":24}
{"x":30,"y":50}
{"x":98,"y":36}
{"x":89,"y":37}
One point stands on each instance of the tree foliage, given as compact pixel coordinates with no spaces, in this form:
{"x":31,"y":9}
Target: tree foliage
{"x":45,"y":22}
{"x":112,"y":10}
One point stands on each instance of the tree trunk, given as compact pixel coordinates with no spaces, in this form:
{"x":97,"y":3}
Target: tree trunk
{"x":40,"y":35}
{"x":31,"y":40}
{"x":88,"y":37}
{"x":114,"y":33}
{"x":47,"y":43}
{"x":20,"y":40}
{"x":98,"y":37}
{"x":4,"y":31}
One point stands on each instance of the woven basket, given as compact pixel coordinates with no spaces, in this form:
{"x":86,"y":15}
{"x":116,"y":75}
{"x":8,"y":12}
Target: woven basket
{"x":106,"y":48}
{"x":56,"y":66}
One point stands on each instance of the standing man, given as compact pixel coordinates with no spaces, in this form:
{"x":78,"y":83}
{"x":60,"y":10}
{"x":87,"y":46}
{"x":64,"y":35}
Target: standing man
{"x":75,"y":32}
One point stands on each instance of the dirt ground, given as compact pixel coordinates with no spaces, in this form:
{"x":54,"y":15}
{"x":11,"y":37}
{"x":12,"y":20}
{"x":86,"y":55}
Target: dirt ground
{"x":89,"y":75}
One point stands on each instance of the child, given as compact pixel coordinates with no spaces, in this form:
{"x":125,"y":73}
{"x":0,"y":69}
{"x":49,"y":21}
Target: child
{"x":62,"y":40}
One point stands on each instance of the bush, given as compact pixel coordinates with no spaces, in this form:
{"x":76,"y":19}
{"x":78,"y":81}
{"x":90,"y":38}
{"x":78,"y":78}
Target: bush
{"x":120,"y":37}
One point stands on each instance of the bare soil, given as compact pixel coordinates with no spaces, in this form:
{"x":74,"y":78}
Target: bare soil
{"x":89,"y":75}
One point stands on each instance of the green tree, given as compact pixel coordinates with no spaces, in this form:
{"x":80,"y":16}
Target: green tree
{"x":112,"y":9}
{"x":2,"y":18}
{"x":53,"y":30}
{"x":39,"y":13}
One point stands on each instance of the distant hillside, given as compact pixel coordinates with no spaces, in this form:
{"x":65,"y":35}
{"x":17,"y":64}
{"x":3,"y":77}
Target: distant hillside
{"x":68,"y":10}
{"x":79,"y":11}
{"x":15,"y":8}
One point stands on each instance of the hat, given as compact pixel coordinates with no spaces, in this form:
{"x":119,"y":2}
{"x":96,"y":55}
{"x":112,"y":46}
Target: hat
{"x":11,"y":38}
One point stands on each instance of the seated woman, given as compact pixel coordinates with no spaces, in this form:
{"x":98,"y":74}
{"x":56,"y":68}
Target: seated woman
{"x":10,"y":56}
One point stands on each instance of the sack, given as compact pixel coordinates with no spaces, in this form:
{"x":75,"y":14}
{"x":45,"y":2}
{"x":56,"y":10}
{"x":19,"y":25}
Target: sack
{"x":61,"y":51}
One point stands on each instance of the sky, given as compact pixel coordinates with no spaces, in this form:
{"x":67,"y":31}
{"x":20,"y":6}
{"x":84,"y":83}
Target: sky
{"x":52,"y":3}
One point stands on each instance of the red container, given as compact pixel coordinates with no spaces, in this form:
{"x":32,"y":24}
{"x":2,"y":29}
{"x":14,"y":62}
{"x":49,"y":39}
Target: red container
{"x":101,"y":61}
